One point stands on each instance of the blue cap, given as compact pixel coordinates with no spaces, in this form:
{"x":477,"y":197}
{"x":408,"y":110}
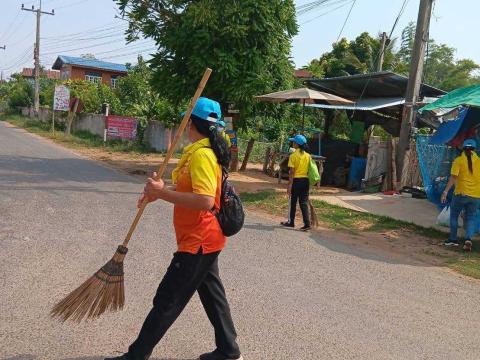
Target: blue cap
{"x":298,"y":139}
{"x":204,"y":107}
{"x":221,"y":123}
{"x":470,"y":143}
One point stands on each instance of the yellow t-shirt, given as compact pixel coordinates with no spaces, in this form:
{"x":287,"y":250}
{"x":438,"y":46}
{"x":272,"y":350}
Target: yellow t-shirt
{"x":299,"y":161}
{"x":199,"y":172}
{"x":467,"y":183}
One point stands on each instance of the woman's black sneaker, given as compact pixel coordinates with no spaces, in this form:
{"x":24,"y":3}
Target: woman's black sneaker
{"x":451,"y":242}
{"x":305,"y":228}
{"x":217,"y":355}
{"x":287,"y":224}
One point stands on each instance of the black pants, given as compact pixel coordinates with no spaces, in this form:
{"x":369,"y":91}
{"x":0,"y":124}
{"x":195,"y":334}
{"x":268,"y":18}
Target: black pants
{"x":300,"y":189}
{"x":186,"y":274}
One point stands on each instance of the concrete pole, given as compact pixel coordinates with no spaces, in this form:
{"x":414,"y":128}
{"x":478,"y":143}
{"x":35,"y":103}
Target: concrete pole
{"x":414,"y":81}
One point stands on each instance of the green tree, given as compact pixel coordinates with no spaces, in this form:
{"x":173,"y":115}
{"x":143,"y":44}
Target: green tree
{"x":441,"y":69}
{"x":20,"y":92}
{"x":358,"y":56}
{"x":246,"y":43}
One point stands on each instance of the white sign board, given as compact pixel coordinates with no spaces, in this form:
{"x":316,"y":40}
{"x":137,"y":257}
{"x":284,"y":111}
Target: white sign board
{"x":61,"y":98}
{"x":228,"y":123}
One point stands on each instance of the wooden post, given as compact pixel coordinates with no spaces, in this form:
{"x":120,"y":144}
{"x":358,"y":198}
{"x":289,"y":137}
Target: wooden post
{"x":53,"y":122}
{"x":247,"y":154}
{"x":394,"y":165}
{"x":70,"y":116}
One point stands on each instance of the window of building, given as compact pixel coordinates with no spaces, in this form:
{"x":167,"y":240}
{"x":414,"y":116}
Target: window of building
{"x":114,"y":81}
{"x":93,"y":77}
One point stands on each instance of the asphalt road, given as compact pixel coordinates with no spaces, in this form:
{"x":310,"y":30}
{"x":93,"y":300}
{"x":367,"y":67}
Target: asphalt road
{"x":293,"y":295}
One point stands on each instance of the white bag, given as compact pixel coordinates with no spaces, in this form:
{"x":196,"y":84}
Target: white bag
{"x":443,"y":218}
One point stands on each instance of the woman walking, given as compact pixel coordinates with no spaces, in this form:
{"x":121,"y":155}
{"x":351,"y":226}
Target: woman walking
{"x":465,"y":175}
{"x":194,"y":267}
{"x":298,"y":184}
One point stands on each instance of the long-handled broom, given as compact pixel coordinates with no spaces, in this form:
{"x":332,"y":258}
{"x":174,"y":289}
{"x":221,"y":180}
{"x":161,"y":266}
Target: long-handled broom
{"x":105,"y":289}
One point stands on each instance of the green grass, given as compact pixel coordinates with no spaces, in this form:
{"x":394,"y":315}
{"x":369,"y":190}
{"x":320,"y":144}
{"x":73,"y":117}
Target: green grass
{"x":337,"y":217}
{"x":468,"y":265}
{"x":79,"y":138}
{"x":351,"y":221}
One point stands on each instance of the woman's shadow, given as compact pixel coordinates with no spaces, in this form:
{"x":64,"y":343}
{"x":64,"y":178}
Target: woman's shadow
{"x":33,"y":357}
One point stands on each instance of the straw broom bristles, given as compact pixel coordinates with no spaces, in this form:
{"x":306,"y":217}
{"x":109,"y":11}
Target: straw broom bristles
{"x":101,"y":292}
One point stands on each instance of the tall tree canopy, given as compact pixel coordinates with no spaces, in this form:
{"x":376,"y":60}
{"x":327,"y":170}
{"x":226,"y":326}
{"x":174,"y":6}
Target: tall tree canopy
{"x":246,"y":43}
{"x":360,"y":56}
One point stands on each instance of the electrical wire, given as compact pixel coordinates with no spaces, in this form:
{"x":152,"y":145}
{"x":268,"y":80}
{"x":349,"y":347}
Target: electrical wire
{"x":9,"y":27}
{"x":346,"y":19}
{"x":325,"y":13}
{"x":400,"y":13}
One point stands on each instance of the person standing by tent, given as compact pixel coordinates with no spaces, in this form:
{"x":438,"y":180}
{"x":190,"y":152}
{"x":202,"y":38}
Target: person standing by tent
{"x":465,"y":175}
{"x":194,"y":267}
{"x":298,"y":183}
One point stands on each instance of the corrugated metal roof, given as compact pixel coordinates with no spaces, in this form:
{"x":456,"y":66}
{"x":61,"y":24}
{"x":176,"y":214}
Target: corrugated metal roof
{"x":88,"y":63}
{"x":50,"y":74}
{"x":365,"y":104}
{"x":374,"y":85}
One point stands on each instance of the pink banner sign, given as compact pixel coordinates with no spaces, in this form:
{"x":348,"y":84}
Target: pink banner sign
{"x":121,"y":127}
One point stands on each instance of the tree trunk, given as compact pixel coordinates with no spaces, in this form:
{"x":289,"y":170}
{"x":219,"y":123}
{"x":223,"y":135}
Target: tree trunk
{"x":71,"y":114}
{"x":234,"y":160}
{"x":247,"y":154}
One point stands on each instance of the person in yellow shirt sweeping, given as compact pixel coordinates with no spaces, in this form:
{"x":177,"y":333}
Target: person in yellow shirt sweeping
{"x":298,"y":183}
{"x":465,"y":175}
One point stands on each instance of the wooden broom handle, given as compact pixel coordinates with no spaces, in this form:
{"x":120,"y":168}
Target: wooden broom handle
{"x":176,"y":140}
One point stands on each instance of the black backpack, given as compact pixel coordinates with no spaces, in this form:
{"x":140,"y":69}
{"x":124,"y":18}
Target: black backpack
{"x":230,"y":215}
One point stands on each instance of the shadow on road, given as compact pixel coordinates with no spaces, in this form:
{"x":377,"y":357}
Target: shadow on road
{"x":103,"y":357}
{"x":32,"y":357}
{"x":37,"y":170}
{"x":261,"y":227}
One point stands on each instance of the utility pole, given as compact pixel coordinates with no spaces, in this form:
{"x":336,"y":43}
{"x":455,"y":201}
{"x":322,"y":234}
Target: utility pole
{"x":3,"y":47}
{"x":384,"y":42}
{"x":39,"y":13}
{"x":414,"y":82}
{"x":382,"y":51}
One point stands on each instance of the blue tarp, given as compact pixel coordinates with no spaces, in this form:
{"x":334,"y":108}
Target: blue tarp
{"x":449,"y":129}
{"x":467,"y":119}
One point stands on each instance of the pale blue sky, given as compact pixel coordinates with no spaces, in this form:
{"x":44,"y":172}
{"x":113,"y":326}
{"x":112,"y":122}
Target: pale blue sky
{"x":98,"y":32}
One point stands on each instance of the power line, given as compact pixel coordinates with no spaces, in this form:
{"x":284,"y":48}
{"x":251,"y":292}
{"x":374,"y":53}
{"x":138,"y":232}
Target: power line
{"x":323,"y":14}
{"x":74,"y":4}
{"x":346,"y":19}
{"x":80,"y":48}
{"x":400,"y":13}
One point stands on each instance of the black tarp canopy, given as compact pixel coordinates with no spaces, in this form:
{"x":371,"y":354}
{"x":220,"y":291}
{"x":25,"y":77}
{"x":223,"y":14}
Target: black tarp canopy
{"x":374,"y":89}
